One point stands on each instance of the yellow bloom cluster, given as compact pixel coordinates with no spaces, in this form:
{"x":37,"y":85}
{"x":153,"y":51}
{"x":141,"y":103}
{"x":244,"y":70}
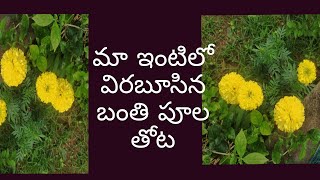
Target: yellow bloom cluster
{"x":13,"y":67}
{"x":65,"y":96}
{"x":289,"y":114}
{"x":47,"y":87}
{"x":229,"y":87}
{"x":59,"y":92}
{"x":235,"y":90}
{"x":306,"y":72}
{"x":250,"y":96}
{"x":3,"y":111}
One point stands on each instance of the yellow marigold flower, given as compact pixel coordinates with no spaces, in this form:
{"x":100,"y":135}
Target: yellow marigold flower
{"x":47,"y":87}
{"x":306,"y":72}
{"x":13,"y":67}
{"x":3,"y":111}
{"x":289,"y":114}
{"x":65,"y":97}
{"x":229,"y":86}
{"x":250,"y":96}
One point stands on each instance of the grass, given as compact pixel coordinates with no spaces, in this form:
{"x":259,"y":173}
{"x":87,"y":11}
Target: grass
{"x":236,"y":37}
{"x":63,"y":149}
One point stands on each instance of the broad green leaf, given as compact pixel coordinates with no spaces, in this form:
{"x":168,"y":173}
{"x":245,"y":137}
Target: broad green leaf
{"x":43,"y":19}
{"x":256,"y":117}
{"x":3,"y":24}
{"x":55,"y":36}
{"x":34,"y":52}
{"x":241,"y":143}
{"x":255,"y":158}
{"x":42,"y":63}
{"x":266,"y":128}
{"x":24,"y":26}
{"x":277,"y":153}
{"x":303,"y":150}
{"x":45,"y":42}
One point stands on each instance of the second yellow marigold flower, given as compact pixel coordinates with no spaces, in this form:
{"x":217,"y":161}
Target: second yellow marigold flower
{"x":250,"y":96}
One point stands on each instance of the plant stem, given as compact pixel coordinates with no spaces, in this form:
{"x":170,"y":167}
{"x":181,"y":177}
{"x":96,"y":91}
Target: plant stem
{"x":220,"y":153}
{"x":74,"y":26}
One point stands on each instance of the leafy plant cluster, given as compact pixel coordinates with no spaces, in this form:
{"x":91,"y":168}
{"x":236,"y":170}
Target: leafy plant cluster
{"x":34,"y":136}
{"x":266,"y":49}
{"x":303,"y":26}
{"x":276,"y":69}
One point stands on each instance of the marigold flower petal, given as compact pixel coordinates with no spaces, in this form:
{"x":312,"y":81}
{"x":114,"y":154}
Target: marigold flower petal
{"x":250,"y":96}
{"x":229,"y":86}
{"x":65,"y":97}
{"x":306,"y":72}
{"x":3,"y":111}
{"x":13,"y":67}
{"x":289,"y":114}
{"x":47,"y":87}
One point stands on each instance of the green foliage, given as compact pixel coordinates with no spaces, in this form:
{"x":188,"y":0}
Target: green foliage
{"x":240,"y":143}
{"x":35,"y":138}
{"x":303,"y":26}
{"x":276,"y":69}
{"x":255,"y":158}
{"x":266,"y":49}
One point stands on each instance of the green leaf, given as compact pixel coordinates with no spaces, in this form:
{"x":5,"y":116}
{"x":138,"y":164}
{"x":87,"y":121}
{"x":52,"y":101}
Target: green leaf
{"x":34,"y":52}
{"x":204,"y":130}
{"x":233,"y":159}
{"x":42,"y":63}
{"x":45,"y":42}
{"x":24,"y":26}
{"x":291,"y":24}
{"x":254,"y":136}
{"x":55,"y":36}
{"x":303,"y":150}
{"x":3,"y":24}
{"x":214,"y":132}
{"x":11,"y":163}
{"x":256,"y":117}
{"x":62,"y":18}
{"x":79,"y":75}
{"x":231,"y":134}
{"x":206,"y":159}
{"x":241,"y":143}
{"x":86,"y":51}
{"x":276,"y":153}
{"x":255,"y":158}
{"x":43,"y":19}
{"x":266,"y":128}
{"x":240,"y":114}
{"x":314,"y":135}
